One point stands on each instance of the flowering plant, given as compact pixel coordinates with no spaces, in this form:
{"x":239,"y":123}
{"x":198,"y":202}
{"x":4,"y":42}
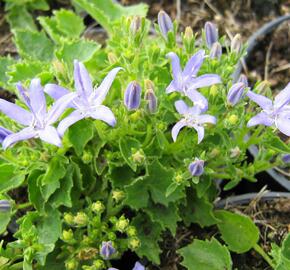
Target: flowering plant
{"x":115,"y":167}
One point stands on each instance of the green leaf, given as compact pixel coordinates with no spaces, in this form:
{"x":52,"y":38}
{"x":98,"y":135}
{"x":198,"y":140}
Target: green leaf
{"x":205,"y":255}
{"x":33,"y":45}
{"x":80,"y":134}
{"x":275,"y":143}
{"x":238,"y":231}
{"x":49,"y":25}
{"x":34,"y":192}
{"x":4,"y":221}
{"x":127,"y":146}
{"x":121,"y":176}
{"x":106,"y":12}
{"x":167,"y":217}
{"x":149,"y":234}
{"x":137,"y":194}
{"x":82,"y":50}
{"x":70,"y":24}
{"x":9,"y":178}
{"x":19,"y":18}
{"x":5,"y":62}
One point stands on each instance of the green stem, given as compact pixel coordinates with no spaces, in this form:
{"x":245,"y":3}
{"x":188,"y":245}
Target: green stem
{"x":264,"y":255}
{"x":23,"y":205}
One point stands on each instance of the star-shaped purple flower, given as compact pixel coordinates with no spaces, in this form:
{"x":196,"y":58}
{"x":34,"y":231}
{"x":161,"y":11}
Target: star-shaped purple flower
{"x":88,"y":102}
{"x":193,"y":118}
{"x":273,"y":113}
{"x":38,"y":121}
{"x":186,"y":81}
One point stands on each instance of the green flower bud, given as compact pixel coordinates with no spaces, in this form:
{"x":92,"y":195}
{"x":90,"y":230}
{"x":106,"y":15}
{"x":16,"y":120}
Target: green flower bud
{"x":87,"y":157}
{"x":134,"y":243}
{"x":118,"y":195}
{"x":178,"y":178}
{"x":71,"y":264}
{"x":122,"y":224}
{"x":113,"y":220}
{"x":98,"y":207}
{"x":138,"y":156}
{"x":88,"y":253}
{"x":214,"y":153}
{"x":67,"y":235}
{"x":233,"y":119}
{"x":188,"y":34}
{"x":112,"y":58}
{"x":213,"y":90}
{"x":235,"y":152}
{"x":131,"y":231}
{"x":68,"y":218}
{"x":99,"y":264}
{"x":81,"y":219}
{"x":112,"y":236}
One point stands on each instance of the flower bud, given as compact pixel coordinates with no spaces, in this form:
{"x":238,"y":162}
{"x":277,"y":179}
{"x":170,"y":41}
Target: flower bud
{"x":235,"y":93}
{"x":71,"y":264}
{"x":214,"y":153}
{"x":215,"y":51}
{"x":138,"y":156}
{"x":87,"y":157}
{"x":112,"y":58}
{"x":243,"y":78}
{"x":5,"y":206}
{"x":262,"y":87}
{"x":178,"y":179}
{"x":81,"y":219}
{"x":213,"y":90}
{"x":4,"y":133}
{"x":67,"y":235}
{"x":134,"y":243}
{"x":196,"y":167}
{"x":98,"y":207}
{"x":112,"y":236}
{"x":107,"y":250}
{"x":131,"y":231}
{"x":68,"y":218}
{"x":87,"y":253}
{"x":236,"y":44}
{"x":122,"y":224}
{"x":188,"y":34}
{"x":151,"y":100}
{"x":165,"y":23}
{"x":233,"y":119}
{"x":118,"y":195}
{"x":99,"y":264}
{"x":235,"y":152}
{"x":286,"y":158}
{"x":211,"y":34}
{"x":132,"y":96}
{"x":135,"y":25}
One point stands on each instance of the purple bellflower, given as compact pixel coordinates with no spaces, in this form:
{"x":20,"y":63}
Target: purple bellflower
{"x":4,"y":133}
{"x":88,"y":102}
{"x":211,"y":34}
{"x":196,"y":167}
{"x":235,"y":93}
{"x":193,"y":118}
{"x":137,"y":266}
{"x":38,"y":121}
{"x":186,"y":81}
{"x":243,"y":78}
{"x":107,"y":250}
{"x":215,"y":51}
{"x":165,"y":23}
{"x":132,"y":97}
{"x":273,"y":113}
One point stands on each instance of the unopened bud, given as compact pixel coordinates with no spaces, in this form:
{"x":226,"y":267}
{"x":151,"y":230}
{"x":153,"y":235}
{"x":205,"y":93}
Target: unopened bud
{"x":131,"y":231}
{"x":122,"y":224}
{"x":196,"y":168}
{"x":132,"y":96}
{"x":286,"y":158}
{"x":135,"y":25}
{"x":243,"y":78}
{"x":262,"y":87}
{"x":98,"y":207}
{"x":5,"y":206}
{"x":112,"y":58}
{"x":68,"y":218}
{"x":107,"y":250}
{"x":99,"y":264}
{"x":58,"y":66}
{"x":188,"y":34}
{"x":235,"y":93}
{"x":211,"y":34}
{"x":87,"y":253}
{"x":213,"y":91}
{"x":138,"y":156}
{"x":118,"y":195}
{"x":71,"y":264}
{"x":214,"y":153}
{"x":134,"y":243}
{"x":151,"y":100}
{"x":165,"y":23}
{"x":236,"y":44}
{"x":87,"y":157}
{"x":67,"y":235}
{"x":235,"y":152}
{"x":215,"y":51}
{"x":178,"y":179}
{"x":81,"y":219}
{"x":233,"y":119}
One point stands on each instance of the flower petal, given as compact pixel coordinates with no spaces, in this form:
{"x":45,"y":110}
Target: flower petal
{"x":16,"y":113}
{"x":37,"y":98}
{"x":172,"y":87}
{"x":58,"y":107}
{"x":4,"y":133}
{"x":105,"y":114}
{"x":138,"y":266}
{"x":264,"y":102}
{"x":200,"y":132}
{"x":181,"y":107}
{"x":194,"y":63}
{"x":64,"y":124}
{"x":198,"y":99}
{"x":176,"y":68}
{"x":83,"y":83}
{"x":24,"y":134}
{"x":50,"y":135}
{"x":176,"y":129}
{"x":283,"y":98}
{"x":24,"y":95}
{"x":283,"y":124}
{"x":260,"y":119}
{"x":206,"y":118}
{"x":104,"y":87}
{"x":205,"y":81}
{"x":55,"y":91}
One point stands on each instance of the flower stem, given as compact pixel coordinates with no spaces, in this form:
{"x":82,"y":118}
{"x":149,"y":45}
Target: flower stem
{"x":265,"y":256}
{"x":23,"y":205}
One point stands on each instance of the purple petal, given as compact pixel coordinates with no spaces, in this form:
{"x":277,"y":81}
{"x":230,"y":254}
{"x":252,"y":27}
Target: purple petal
{"x":243,"y":78}
{"x":283,"y":98}
{"x":260,"y":119}
{"x":165,"y":23}
{"x":50,"y":135}
{"x":283,"y":124}
{"x":194,"y":63}
{"x":138,"y":266}
{"x":211,"y":34}
{"x":64,"y":124}
{"x":16,"y":113}
{"x":105,"y":114}
{"x":195,"y":110}
{"x":55,"y":91}
{"x":24,"y":95}
{"x":181,"y":107}
{"x":206,"y":118}
{"x":102,"y":90}
{"x":286,"y":158}
{"x":37,"y":98}
{"x":58,"y":107}
{"x":264,"y":102}
{"x":172,"y":87}
{"x":83,"y":83}
{"x":176,"y":129}
{"x":176,"y":68}
{"x":196,"y":167}
{"x":235,"y":93}
{"x":4,"y":133}
{"x":200,"y":132}
{"x":24,"y":134}
{"x":132,"y":97}
{"x":216,"y":51}
{"x":198,"y":99}
{"x":205,"y":81}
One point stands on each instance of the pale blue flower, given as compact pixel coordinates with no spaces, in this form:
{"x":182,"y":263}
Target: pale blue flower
{"x":211,"y":34}
{"x":196,"y":168}
{"x":165,"y":23}
{"x":107,"y":250}
{"x":132,"y":97}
